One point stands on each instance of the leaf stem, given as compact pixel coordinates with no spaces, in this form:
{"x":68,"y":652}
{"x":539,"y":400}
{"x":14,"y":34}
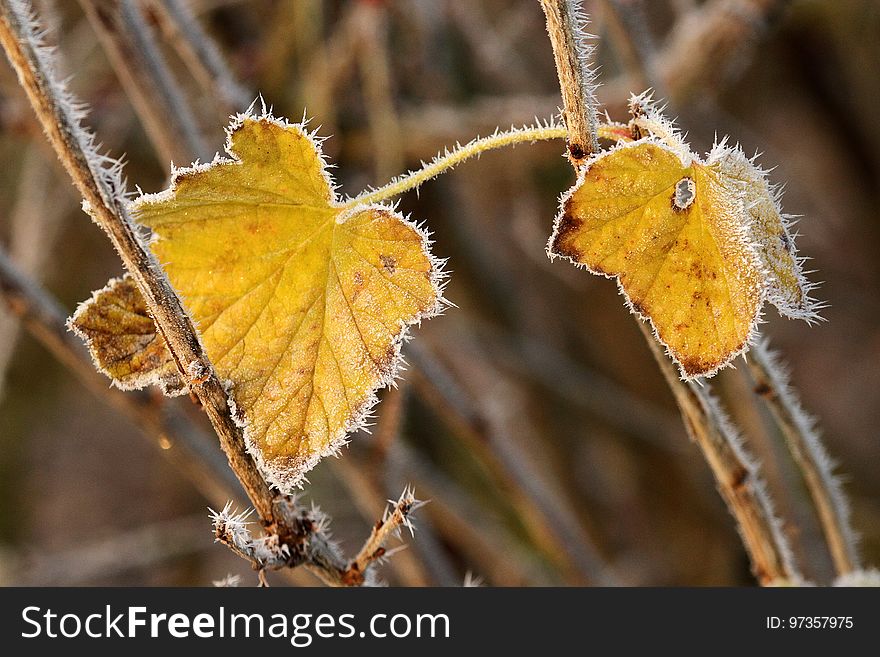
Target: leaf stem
{"x":450,"y":159}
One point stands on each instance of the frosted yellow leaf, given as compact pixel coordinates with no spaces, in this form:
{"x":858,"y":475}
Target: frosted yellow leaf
{"x":301,"y":304}
{"x":787,"y":288}
{"x":696,"y":246}
{"x":122,"y":339}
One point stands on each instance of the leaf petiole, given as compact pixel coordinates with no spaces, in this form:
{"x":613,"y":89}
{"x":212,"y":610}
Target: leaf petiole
{"x":459,"y":154}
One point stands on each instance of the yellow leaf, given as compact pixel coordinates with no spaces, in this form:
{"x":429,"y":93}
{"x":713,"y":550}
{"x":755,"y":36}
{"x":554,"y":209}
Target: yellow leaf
{"x":302,"y":305}
{"x":122,"y":339}
{"x":696,"y":246}
{"x":787,"y":288}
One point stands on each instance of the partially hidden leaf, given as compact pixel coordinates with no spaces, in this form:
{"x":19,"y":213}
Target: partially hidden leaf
{"x":122,"y":339}
{"x":302,"y":302}
{"x":696,"y":245}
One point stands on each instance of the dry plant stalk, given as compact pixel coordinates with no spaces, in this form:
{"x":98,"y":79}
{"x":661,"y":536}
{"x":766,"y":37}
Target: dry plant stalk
{"x":735,"y":474}
{"x":565,"y":25}
{"x":99,"y":181}
{"x":804,"y":443}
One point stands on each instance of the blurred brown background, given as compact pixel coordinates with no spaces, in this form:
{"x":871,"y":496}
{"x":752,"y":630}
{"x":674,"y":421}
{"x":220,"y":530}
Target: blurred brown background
{"x":535,"y":402}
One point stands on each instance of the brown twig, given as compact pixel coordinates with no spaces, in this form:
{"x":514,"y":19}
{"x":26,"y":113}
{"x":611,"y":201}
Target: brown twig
{"x":565,"y":25}
{"x":807,"y":450}
{"x":396,"y":516}
{"x":366,"y":496}
{"x":98,"y":180}
{"x":736,"y":475}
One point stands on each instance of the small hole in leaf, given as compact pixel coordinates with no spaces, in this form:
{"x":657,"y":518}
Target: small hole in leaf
{"x":685,"y":192}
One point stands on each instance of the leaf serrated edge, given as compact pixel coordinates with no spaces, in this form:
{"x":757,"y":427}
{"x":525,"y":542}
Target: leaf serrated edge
{"x":287,"y":480}
{"x":134,"y":381}
{"x":292,"y":475}
{"x":751,"y":335}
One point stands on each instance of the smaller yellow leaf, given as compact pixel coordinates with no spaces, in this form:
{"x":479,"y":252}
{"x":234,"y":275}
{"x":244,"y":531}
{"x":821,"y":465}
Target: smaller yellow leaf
{"x":696,"y":245}
{"x":122,"y":339}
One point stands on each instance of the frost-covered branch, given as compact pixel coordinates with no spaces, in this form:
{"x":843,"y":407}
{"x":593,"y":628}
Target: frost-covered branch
{"x":99,"y":180}
{"x":736,"y":474}
{"x":805,"y":444}
{"x":397,"y":515}
{"x":315,"y":548}
{"x":566,"y":25}
{"x":298,"y":538}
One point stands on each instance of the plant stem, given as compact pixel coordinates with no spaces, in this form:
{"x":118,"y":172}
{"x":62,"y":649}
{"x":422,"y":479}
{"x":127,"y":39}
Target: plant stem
{"x":735,"y":473}
{"x":98,"y":180}
{"x":805,"y":445}
{"x":565,"y":25}
{"x":450,"y":159}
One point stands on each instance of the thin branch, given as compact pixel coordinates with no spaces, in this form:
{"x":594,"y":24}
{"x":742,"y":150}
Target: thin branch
{"x":318,"y":552}
{"x":366,"y":495}
{"x":566,"y":25}
{"x":474,"y":148}
{"x":805,"y":445}
{"x":200,"y":53}
{"x":147,"y":81}
{"x":98,"y":179}
{"x":736,"y":474}
{"x":396,"y":516}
